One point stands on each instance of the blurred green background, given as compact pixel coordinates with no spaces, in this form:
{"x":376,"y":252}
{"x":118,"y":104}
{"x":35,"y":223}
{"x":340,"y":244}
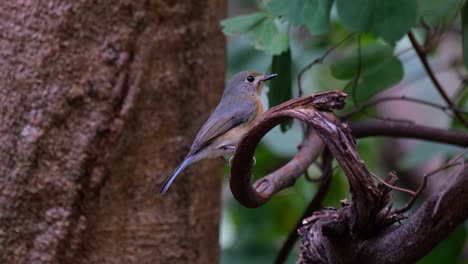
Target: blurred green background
{"x":256,"y":235}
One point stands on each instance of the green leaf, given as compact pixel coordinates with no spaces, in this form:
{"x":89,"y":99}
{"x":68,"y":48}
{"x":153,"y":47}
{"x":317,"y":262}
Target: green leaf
{"x":242,"y":24}
{"x":371,"y":56}
{"x":280,"y":87}
{"x":464,"y":19}
{"x":260,"y":30}
{"x":379,"y":70}
{"x":377,"y":79}
{"x":462,"y":104}
{"x":315,"y":14}
{"x":389,"y":20}
{"x":437,"y":11}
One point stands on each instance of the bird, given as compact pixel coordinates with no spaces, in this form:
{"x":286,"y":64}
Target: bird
{"x":239,"y":107}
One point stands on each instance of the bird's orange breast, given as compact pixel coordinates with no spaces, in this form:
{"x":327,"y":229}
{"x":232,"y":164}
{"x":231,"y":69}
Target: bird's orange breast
{"x":259,"y":107}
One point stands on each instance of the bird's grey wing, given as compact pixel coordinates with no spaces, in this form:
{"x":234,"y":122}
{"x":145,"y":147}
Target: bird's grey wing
{"x":224,"y":118}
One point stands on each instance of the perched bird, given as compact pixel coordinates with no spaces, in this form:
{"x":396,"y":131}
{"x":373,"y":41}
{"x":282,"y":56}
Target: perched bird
{"x":238,"y":108}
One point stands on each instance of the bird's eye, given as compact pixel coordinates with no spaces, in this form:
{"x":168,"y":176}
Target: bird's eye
{"x":250,"y":79}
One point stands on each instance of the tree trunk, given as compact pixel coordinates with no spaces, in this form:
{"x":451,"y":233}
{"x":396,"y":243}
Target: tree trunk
{"x":99,"y":101}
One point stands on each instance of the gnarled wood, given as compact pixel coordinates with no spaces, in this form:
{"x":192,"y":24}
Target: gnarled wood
{"x":362,"y":231}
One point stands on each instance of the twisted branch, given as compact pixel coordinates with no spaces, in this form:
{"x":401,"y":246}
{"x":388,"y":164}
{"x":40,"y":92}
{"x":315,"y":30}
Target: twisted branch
{"x":315,"y":111}
{"x":285,"y":176}
{"x":329,"y":235}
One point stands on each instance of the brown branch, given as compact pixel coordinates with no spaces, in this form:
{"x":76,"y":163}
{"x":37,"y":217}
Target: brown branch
{"x":314,"y":110}
{"x":369,"y":128}
{"x":378,"y":129}
{"x":336,"y":236}
{"x":285,"y":176}
{"x":265,"y":187}
{"x":272,"y":183}
{"x":276,"y":181}
{"x":422,"y":231}
{"x":422,"y":56}
{"x":329,"y":234}
{"x":326,"y":239}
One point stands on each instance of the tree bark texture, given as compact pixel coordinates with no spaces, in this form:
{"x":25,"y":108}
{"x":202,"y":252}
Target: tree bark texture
{"x":99,"y":101}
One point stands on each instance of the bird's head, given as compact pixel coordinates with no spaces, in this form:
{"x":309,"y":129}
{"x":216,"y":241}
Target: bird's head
{"x":248,"y":82}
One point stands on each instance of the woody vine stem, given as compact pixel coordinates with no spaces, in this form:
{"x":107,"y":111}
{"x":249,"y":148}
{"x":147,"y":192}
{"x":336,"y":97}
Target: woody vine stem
{"x":332,"y":236}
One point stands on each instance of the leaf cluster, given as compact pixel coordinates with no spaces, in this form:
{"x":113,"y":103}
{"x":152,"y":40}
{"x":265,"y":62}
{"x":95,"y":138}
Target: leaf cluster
{"x":371,"y":66}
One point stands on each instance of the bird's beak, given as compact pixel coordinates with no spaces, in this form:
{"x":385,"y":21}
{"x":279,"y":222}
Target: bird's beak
{"x":268,"y":77}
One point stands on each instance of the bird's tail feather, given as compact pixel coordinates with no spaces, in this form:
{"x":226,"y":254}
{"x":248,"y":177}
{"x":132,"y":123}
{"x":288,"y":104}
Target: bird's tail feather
{"x":187,"y":161}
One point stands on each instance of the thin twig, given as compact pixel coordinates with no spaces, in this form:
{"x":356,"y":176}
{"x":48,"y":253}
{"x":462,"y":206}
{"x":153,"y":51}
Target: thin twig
{"x":422,"y":56}
{"x":358,"y":73}
{"x":388,"y":119}
{"x":421,"y":188}
{"x":393,"y":187}
{"x":318,"y":60}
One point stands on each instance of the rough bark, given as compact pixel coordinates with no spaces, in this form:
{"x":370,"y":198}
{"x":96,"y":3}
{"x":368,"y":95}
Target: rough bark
{"x":99,"y":101}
